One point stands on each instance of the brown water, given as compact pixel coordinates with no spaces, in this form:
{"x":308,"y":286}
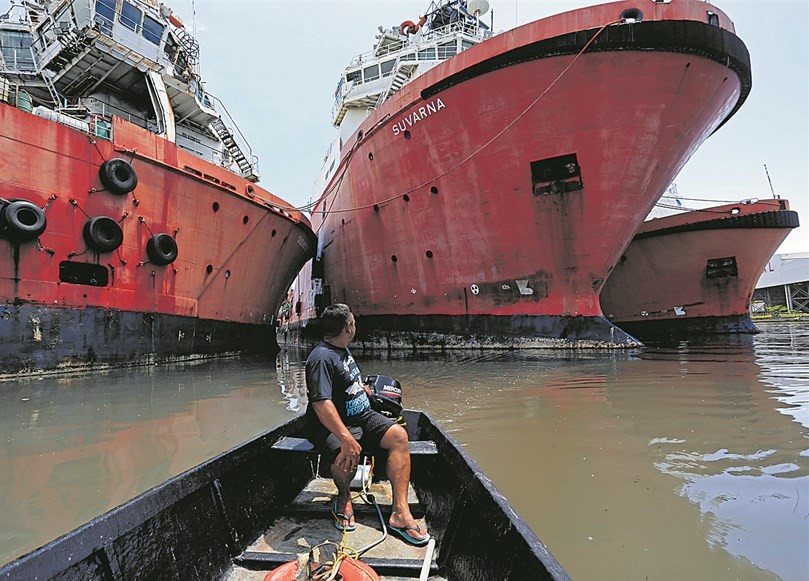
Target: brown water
{"x":683,"y":461}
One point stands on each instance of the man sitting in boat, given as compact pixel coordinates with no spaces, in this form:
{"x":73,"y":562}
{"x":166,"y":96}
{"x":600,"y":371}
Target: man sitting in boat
{"x":342,"y":424}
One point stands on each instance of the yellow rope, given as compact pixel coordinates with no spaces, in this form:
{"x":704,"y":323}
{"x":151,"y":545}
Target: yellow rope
{"x":345,"y":551}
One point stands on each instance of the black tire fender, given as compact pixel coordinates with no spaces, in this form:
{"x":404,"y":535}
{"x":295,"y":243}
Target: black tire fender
{"x":103,"y":234}
{"x":162,"y":249}
{"x":22,"y":220}
{"x":118,"y":176}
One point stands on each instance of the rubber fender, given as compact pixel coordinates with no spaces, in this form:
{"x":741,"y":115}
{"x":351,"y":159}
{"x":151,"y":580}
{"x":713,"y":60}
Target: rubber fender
{"x":103,"y":234}
{"x":162,"y":249}
{"x":118,"y":176}
{"x":22,"y":220}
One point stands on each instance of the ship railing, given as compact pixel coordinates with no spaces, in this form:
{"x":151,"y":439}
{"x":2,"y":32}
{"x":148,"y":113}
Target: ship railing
{"x":237,"y":135}
{"x":17,"y":62}
{"x":97,"y":126}
{"x":205,"y":152}
{"x":107,"y":110}
{"x":379,"y":78}
{"x":467,"y":29}
{"x":217,"y":156}
{"x":17,"y":57}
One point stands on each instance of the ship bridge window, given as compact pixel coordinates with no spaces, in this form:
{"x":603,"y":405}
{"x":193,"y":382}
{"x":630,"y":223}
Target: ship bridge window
{"x":370,"y":73}
{"x":105,"y":15}
{"x":16,"y":49}
{"x":447,"y":49}
{"x":131,"y":16}
{"x":428,"y":54}
{"x":409,"y":57}
{"x":387,"y":67}
{"x":354,"y":76}
{"x":465,"y":44}
{"x":152,"y":30}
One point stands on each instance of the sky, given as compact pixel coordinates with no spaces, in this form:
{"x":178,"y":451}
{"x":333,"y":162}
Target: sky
{"x":275,"y":65}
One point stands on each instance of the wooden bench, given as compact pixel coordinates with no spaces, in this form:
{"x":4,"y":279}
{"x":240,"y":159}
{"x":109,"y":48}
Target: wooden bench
{"x":417,"y":448}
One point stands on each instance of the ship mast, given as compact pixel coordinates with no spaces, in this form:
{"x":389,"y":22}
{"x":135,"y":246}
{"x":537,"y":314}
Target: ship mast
{"x":770,"y":182}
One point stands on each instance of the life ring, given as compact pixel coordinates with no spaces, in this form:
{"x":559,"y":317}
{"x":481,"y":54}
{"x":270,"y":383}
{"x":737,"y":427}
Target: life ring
{"x":162,"y":249}
{"x":286,"y":572}
{"x":118,"y":176}
{"x":175,"y":22}
{"x":350,"y":570}
{"x":103,"y":234}
{"x":410,"y":27}
{"x":21,"y":220}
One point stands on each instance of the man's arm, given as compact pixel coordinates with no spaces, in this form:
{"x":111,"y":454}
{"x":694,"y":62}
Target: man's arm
{"x":350,"y":449}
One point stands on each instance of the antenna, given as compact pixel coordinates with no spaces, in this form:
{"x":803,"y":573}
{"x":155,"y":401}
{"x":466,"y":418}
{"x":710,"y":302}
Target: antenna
{"x":769,"y":180}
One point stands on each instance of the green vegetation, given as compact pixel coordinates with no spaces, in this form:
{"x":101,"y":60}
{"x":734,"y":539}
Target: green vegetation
{"x":779,"y":313}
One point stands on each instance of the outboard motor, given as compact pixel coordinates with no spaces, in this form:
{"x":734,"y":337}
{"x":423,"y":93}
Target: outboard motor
{"x":386,"y":395}
{"x":386,"y":398}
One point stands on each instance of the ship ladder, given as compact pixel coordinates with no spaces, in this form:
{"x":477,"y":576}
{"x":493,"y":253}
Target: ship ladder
{"x":403,"y":71}
{"x":245,"y":167}
{"x":58,"y":102}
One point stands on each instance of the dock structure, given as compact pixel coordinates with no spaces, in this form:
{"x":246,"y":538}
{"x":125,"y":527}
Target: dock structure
{"x":784,"y":282}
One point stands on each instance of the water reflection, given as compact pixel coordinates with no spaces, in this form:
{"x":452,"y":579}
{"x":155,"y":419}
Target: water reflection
{"x":292,"y":379}
{"x":74,"y":448}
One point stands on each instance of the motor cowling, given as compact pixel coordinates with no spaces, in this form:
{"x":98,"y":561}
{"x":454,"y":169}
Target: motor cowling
{"x":386,"y":395}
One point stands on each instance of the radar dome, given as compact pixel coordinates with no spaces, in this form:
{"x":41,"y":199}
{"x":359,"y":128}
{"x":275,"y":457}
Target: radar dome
{"x":477,"y":7}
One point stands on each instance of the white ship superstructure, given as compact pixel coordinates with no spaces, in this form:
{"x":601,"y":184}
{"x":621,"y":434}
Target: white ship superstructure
{"x":402,"y":53}
{"x":80,"y":62}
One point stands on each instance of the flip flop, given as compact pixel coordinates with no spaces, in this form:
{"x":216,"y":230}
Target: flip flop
{"x":402,"y":532}
{"x":339,"y":517}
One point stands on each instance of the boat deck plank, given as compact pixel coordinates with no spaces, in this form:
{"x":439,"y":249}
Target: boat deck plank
{"x":308,"y":521}
{"x":242,"y":574}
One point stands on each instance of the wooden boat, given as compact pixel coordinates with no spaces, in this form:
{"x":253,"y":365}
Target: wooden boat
{"x":248,"y":511}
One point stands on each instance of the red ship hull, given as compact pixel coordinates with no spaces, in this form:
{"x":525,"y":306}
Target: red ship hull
{"x":68,"y":307}
{"x":695,"y":273}
{"x":452,"y":221}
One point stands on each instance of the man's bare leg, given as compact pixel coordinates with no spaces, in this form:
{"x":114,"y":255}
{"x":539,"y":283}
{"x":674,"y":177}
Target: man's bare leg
{"x":342,"y":480}
{"x":396,"y":443}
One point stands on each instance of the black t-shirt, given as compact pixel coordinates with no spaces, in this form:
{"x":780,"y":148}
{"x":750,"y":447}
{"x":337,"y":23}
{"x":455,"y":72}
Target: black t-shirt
{"x":332,"y":373}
